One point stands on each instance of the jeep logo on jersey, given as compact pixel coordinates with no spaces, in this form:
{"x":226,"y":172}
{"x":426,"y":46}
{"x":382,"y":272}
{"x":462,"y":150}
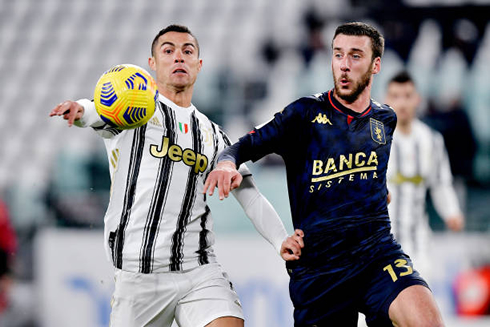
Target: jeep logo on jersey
{"x":175,"y":153}
{"x":377,"y":131}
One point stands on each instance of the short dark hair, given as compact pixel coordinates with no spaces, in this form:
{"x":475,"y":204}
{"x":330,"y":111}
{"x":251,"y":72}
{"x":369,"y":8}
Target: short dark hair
{"x":174,"y":28}
{"x":402,"y":77}
{"x":363,"y":29}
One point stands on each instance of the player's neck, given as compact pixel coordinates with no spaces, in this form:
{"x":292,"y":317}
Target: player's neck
{"x":404,"y":127}
{"x":358,"y":105}
{"x":181,"y":97}
{"x":361,"y":102}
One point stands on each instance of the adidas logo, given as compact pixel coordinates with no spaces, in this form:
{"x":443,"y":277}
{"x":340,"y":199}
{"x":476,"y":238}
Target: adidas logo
{"x":155,"y":121}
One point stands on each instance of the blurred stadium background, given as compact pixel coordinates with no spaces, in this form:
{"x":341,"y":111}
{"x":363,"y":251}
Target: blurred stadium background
{"x":258,"y":55}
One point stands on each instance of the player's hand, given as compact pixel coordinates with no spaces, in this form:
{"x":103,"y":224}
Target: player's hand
{"x":388,"y":198}
{"x":70,"y":110}
{"x":455,"y":223}
{"x":225,"y":176}
{"x":292,"y":245}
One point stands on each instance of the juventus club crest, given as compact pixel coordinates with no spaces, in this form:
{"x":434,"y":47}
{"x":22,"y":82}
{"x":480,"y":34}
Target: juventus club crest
{"x":377,"y":131}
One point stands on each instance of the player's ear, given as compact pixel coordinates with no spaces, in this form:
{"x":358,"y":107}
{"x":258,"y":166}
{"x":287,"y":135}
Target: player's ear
{"x":376,"y":65}
{"x":200,"y":65}
{"x":419,"y":99}
{"x":151,"y":63}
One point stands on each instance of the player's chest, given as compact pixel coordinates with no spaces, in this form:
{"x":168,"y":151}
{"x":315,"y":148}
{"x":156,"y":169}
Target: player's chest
{"x":414,"y":156}
{"x":359,"y":134}
{"x":181,"y":129}
{"x":185,"y":141}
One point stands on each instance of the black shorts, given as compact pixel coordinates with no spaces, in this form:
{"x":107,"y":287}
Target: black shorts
{"x":334,"y":299}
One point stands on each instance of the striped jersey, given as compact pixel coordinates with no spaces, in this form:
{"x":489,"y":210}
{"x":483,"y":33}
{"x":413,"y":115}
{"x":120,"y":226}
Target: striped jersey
{"x":157,"y":219}
{"x":418,"y":163}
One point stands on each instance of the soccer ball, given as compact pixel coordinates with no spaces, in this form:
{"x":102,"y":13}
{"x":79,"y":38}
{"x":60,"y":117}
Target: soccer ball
{"x":125,"y":96}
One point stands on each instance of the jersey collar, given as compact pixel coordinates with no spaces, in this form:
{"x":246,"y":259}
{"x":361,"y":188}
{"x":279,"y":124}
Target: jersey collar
{"x":351,"y":114}
{"x":172,"y":104}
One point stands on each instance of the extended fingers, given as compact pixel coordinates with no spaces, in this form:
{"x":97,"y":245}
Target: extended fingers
{"x":56,"y":111}
{"x":70,"y":111}
{"x":224,"y":185}
{"x":210,"y":184}
{"x":225,"y":177}
{"x":219,"y":179}
{"x":61,"y":109}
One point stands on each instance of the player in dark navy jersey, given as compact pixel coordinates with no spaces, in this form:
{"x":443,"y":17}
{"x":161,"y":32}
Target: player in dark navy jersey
{"x":336,"y":147}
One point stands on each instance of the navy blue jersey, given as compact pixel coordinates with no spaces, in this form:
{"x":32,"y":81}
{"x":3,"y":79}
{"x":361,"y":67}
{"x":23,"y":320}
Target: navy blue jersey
{"x":336,"y":161}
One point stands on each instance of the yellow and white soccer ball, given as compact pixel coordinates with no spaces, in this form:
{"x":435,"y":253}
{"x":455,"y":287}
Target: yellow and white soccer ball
{"x":125,"y":96}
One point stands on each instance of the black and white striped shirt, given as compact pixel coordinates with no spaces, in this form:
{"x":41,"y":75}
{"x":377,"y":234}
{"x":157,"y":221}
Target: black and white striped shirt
{"x":157,"y":219}
{"x":418,"y":162}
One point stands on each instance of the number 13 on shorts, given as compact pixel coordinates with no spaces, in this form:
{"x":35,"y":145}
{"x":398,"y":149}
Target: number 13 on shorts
{"x":404,"y":269}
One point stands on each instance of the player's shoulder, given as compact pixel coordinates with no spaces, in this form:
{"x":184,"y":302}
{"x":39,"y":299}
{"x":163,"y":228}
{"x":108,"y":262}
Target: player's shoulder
{"x":307,"y":103}
{"x":310,"y":99}
{"x":382,"y":108}
{"x":424,"y":130}
{"x":383,"y":112}
{"x":317,"y":98}
{"x":204,"y":120}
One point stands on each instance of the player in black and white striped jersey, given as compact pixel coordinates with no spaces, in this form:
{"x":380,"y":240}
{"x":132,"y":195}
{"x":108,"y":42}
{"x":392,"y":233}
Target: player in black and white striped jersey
{"x":418,"y":162}
{"x":158,"y":227}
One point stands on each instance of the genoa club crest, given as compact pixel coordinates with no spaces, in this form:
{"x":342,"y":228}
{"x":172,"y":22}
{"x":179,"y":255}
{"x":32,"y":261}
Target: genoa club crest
{"x":377,"y":131}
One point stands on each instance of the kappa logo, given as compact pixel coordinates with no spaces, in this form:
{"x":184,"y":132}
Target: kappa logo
{"x":322,"y":119}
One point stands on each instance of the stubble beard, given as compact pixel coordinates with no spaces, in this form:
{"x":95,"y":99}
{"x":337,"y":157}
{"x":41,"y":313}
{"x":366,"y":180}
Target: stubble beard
{"x":358,"y":89}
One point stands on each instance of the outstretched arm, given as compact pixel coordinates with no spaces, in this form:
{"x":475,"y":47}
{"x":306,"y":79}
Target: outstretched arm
{"x":70,"y":110}
{"x":266,"y":220}
{"x":441,"y":188}
{"x":225,"y":175}
{"x":271,"y":137}
{"x":82,"y":113}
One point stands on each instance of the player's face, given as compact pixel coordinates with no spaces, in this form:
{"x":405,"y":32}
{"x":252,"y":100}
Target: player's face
{"x":176,"y":60}
{"x":404,"y":99}
{"x":352,"y":66}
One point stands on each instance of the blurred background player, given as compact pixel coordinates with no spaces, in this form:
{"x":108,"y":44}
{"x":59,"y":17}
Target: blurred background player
{"x":158,"y":226}
{"x":418,"y":163}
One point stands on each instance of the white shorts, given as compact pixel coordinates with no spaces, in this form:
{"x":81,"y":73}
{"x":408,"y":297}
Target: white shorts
{"x":193,"y":298}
